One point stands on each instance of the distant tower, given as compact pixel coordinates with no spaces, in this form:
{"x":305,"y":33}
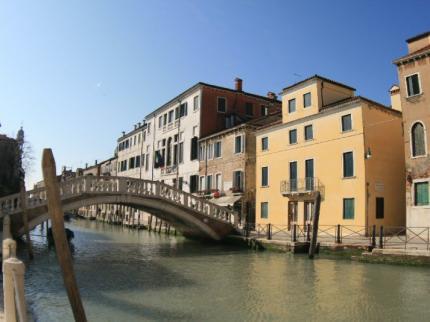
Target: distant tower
{"x":20,"y":137}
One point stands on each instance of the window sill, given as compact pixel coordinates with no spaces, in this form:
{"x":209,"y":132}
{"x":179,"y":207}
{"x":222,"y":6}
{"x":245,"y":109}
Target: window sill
{"x":419,"y":156}
{"x":266,"y":150}
{"x":414,"y":96}
{"x":222,"y":112}
{"x":309,"y":140}
{"x":262,"y":187}
{"x":421,"y":207}
{"x":293,"y":143}
{"x":346,"y":131}
{"x":349,"y":178}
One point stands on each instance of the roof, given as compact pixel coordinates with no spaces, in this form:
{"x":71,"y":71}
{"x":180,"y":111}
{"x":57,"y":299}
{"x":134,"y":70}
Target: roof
{"x":414,"y":38}
{"x":422,"y":52}
{"x":338,"y":105}
{"x":132,"y":132}
{"x":256,"y":123}
{"x":200,"y":84}
{"x":316,"y":76}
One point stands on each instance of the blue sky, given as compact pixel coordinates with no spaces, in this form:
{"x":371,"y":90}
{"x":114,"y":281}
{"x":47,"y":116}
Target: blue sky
{"x":77,"y":73}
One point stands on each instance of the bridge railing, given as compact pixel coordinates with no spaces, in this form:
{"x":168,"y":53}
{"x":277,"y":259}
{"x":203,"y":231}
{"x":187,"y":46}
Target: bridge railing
{"x":106,"y":184}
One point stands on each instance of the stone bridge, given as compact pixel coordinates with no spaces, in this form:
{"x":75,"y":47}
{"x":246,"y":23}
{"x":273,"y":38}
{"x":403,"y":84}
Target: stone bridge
{"x":191,"y":215}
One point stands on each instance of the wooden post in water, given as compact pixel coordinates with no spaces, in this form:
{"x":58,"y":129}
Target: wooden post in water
{"x":62,"y":246}
{"x":25,"y":220}
{"x":315,"y":220}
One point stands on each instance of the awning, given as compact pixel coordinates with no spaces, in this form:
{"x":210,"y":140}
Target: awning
{"x":226,"y":200}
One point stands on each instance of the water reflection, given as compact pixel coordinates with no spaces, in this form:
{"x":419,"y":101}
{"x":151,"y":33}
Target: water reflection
{"x":127,"y":275}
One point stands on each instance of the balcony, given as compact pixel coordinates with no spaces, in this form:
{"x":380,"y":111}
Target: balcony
{"x":303,"y":187}
{"x":169,"y":170}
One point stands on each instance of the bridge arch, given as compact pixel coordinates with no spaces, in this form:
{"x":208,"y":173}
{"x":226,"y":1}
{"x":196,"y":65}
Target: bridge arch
{"x":191,"y":215}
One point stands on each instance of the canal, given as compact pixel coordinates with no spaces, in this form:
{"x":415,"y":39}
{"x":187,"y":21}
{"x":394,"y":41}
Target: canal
{"x":128,"y":275}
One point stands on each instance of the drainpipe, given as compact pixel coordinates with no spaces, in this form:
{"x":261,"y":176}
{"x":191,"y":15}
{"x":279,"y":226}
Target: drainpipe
{"x":153,"y":148}
{"x":141,"y":153}
{"x":177,"y":145}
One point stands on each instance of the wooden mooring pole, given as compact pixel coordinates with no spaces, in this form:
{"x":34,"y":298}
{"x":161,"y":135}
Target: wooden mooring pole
{"x":315,"y":220}
{"x":62,"y":246}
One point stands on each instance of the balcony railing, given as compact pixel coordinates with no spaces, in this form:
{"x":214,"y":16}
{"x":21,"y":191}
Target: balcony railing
{"x":301,"y":186}
{"x":169,"y":170}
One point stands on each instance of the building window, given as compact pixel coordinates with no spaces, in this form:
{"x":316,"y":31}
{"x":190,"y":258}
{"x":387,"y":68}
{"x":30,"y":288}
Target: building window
{"x":171,"y":116}
{"x":181,"y":183}
{"x":194,"y":148}
{"x":346,"y":123}
{"x":217,"y":149}
{"x":421,"y":193}
{"x":264,"y":110}
{"x":293,"y":136}
{"x":238,"y":180}
{"x":183,"y":109}
{"x":160,"y":121}
{"x":181,"y":152}
{"x":348,"y":208}
{"x":348,"y":165}
{"x":131,"y":163}
{"x":202,"y":183}
{"x":137,"y":165}
{"x":194,"y":182}
{"x":210,"y":151}
{"x":264,"y":176}
{"x":307,"y":100}
{"x":265,"y":143}
{"x":238,"y":144}
{"x":413,"y":85}
{"x":218,"y":182}
{"x":196,"y":103}
{"x":292,"y":105}
{"x":309,"y":133}
{"x":418,"y":140}
{"x":264,"y":210}
{"x":202,"y":151}
{"x":209,"y":182}
{"x":379,"y":208}
{"x":165,"y":119}
{"x":249,"y":109}
{"x":222,"y":104}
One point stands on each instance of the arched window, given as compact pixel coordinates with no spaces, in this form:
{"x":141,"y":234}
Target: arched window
{"x":418,"y":140}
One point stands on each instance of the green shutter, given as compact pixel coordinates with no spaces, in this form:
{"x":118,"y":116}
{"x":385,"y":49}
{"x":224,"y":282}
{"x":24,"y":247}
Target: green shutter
{"x":348,"y":208}
{"x":421,"y":193}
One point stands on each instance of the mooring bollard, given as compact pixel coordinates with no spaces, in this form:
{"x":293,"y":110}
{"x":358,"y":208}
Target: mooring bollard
{"x":308,"y":232}
{"x":13,"y":290}
{"x":338,"y":234}
{"x":9,"y":248}
{"x":374,"y":236}
{"x":381,"y":237}
{"x":294,"y":233}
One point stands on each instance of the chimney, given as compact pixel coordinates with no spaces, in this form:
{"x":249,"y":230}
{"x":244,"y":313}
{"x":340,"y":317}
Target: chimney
{"x":396,"y":103}
{"x":95,"y":162}
{"x":272,"y":95}
{"x":123,"y":133}
{"x":139,"y":124}
{"x":86,"y":165}
{"x":238,"y":84}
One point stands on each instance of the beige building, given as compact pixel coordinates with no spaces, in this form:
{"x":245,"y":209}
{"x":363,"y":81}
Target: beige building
{"x":227,"y":166}
{"x":412,"y":96}
{"x":347,"y":147}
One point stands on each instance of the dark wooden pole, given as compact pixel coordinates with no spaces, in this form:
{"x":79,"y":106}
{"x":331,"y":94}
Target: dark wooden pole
{"x":62,"y":246}
{"x":315,"y":220}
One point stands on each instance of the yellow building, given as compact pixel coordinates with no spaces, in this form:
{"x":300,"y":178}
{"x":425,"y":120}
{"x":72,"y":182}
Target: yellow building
{"x":348,"y":147}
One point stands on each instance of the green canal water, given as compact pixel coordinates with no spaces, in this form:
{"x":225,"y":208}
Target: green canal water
{"x":127,"y":275}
